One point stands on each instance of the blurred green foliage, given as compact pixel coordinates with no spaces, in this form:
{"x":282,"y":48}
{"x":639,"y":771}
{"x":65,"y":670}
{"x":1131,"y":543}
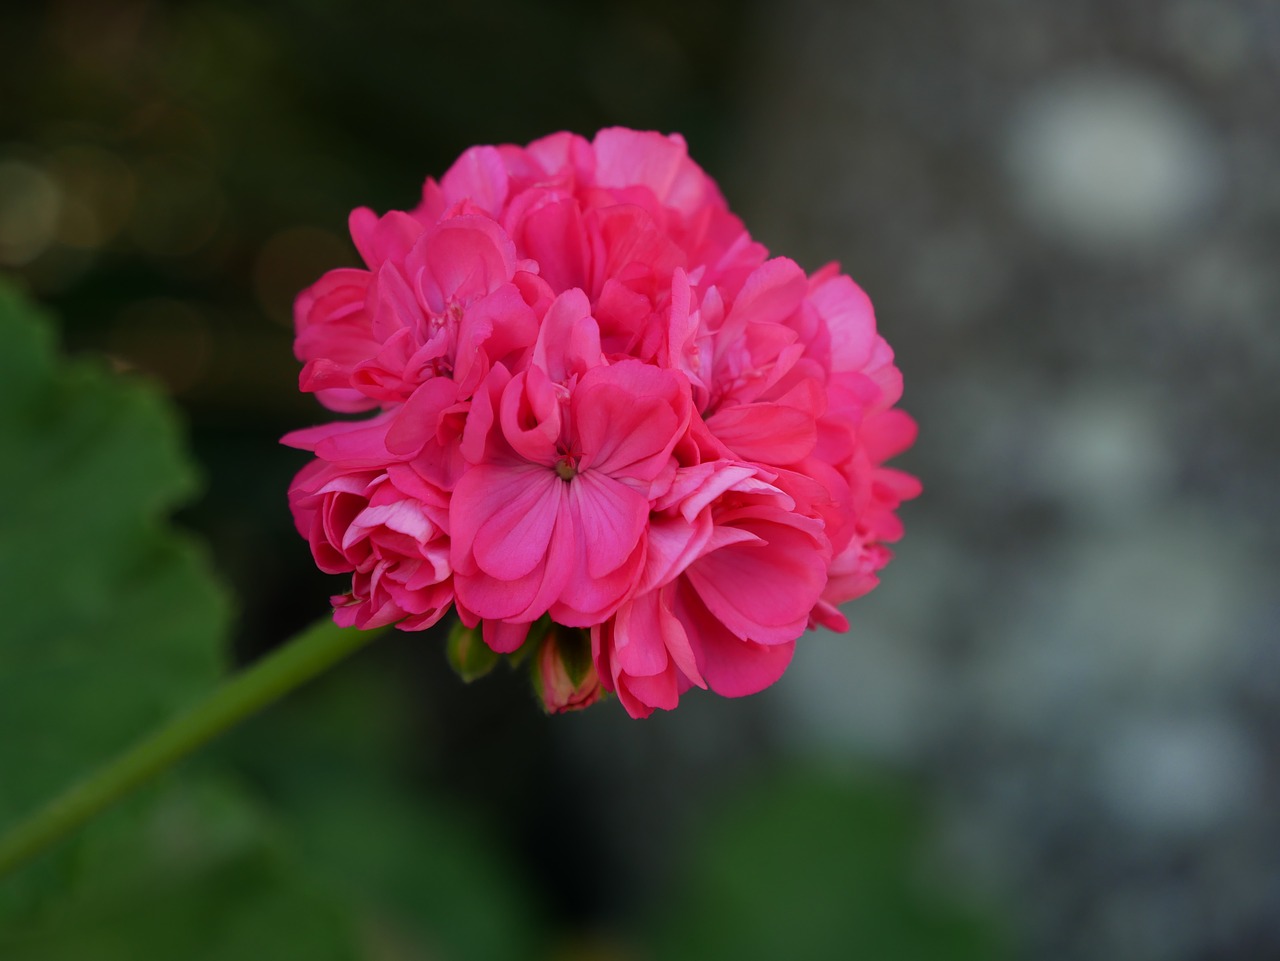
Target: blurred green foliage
{"x":111,"y":620}
{"x":195,"y":871}
{"x":422,"y":869}
{"x":811,"y":864}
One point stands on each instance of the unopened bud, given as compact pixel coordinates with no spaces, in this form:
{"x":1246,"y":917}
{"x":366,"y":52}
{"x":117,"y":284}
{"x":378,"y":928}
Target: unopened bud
{"x":563,"y":673}
{"x":469,"y":656}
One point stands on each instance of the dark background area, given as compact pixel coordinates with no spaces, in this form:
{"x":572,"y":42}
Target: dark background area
{"x":1068,"y":217}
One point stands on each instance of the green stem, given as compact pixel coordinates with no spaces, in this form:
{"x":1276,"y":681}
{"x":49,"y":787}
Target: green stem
{"x":263,"y":682}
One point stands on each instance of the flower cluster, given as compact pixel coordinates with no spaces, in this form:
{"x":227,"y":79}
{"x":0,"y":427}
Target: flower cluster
{"x":600,"y":403}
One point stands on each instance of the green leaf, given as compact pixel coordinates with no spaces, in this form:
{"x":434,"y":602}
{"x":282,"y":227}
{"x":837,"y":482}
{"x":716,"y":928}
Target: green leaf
{"x":111,"y":619}
{"x":198,"y":878}
{"x":112,"y":625}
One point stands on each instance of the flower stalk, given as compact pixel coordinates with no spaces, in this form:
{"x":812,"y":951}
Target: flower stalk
{"x":300,"y":659}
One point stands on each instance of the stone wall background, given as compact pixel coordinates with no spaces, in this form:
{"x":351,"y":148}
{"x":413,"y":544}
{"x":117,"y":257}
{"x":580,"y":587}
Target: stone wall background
{"x":1068,"y":216}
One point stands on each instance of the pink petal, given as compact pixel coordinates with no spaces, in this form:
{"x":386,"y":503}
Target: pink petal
{"x":626,"y":157}
{"x":898,"y":485}
{"x":828,"y":616}
{"x":393,"y":303}
{"x":418,"y":420}
{"x":504,"y":636}
{"x":531,"y":416}
{"x":569,"y":339}
{"x":479,"y":440}
{"x":634,"y":246}
{"x":480,"y":176}
{"x":526,"y":598}
{"x":498,"y":324}
{"x":561,"y":153}
{"x":850,"y":320}
{"x":359,"y":443}
{"x":771,"y":294}
{"x":735,"y":668}
{"x":517,"y":508}
{"x":586,"y":601}
{"x":611,"y":517}
{"x":732,"y":667}
{"x":555,"y":237}
{"x":696,"y":487}
{"x":657,"y":606}
{"x":638,"y":648}
{"x":765,"y":433}
{"x":673,"y":544}
{"x":336,"y":296}
{"x":888,"y":434}
{"x":460,"y":259}
{"x":762,"y":591}
{"x":640,"y":694}
{"x":380,"y":239}
{"x":625,"y":420}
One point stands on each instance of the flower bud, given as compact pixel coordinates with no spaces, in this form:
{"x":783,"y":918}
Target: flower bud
{"x":563,"y":673}
{"x":469,"y":656}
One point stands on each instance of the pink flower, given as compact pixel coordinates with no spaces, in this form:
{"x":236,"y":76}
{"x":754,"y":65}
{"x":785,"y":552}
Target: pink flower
{"x":552,"y":515}
{"x":733,"y":574}
{"x":384,"y":524}
{"x":602,"y":404}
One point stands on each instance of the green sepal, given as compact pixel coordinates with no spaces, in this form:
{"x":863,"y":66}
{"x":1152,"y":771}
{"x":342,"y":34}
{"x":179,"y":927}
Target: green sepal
{"x":575,"y":652}
{"x":469,"y":656}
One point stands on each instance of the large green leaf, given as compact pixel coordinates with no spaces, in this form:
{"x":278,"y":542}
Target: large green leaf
{"x":111,"y":624}
{"x":111,"y":620}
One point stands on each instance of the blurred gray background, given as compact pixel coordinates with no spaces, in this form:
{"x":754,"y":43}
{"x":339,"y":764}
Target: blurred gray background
{"x":1068,"y":216}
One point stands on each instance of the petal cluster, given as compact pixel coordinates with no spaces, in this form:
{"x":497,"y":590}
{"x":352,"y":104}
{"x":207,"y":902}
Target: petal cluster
{"x":599,"y":403}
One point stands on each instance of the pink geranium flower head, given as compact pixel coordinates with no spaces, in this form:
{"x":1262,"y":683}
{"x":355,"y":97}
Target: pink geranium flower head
{"x":608,"y":425}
